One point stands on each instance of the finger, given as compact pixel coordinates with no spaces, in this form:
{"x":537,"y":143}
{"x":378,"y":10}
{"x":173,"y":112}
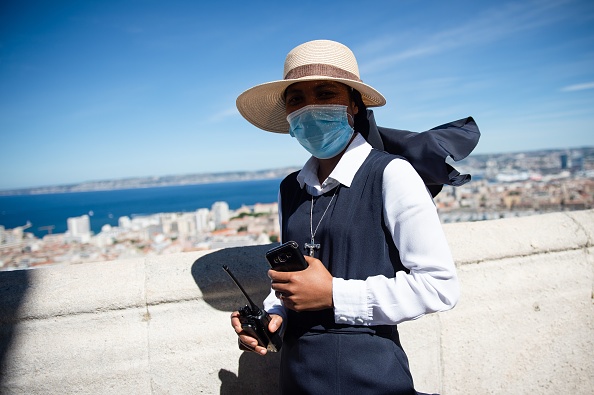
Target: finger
{"x":238,"y":328}
{"x":245,"y":346}
{"x":280,"y":277}
{"x":279,"y":289}
{"x":275,"y":323}
{"x":283,"y":295}
{"x":235,"y":323}
{"x":248,"y":341}
{"x":260,"y":350}
{"x":242,"y":346}
{"x":249,"y":347}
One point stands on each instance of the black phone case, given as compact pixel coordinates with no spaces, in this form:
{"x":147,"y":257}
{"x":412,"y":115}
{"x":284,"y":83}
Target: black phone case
{"x":286,"y":258}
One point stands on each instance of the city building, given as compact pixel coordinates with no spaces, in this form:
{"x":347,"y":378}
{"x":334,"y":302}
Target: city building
{"x":79,"y":229}
{"x":220,"y":214}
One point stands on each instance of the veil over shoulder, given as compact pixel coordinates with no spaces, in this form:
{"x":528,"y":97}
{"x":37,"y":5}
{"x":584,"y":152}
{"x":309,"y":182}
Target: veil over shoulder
{"x":427,"y":151}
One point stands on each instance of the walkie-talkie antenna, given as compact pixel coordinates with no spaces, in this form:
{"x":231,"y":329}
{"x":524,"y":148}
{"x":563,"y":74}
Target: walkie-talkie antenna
{"x":254,"y":306}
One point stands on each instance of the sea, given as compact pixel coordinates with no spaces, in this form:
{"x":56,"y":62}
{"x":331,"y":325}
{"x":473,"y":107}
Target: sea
{"x":106,"y":207}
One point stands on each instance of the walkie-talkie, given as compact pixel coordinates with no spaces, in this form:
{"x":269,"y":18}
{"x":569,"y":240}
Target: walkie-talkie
{"x":255,"y":320}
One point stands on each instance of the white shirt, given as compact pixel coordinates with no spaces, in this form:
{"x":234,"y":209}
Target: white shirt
{"x":411,"y":216}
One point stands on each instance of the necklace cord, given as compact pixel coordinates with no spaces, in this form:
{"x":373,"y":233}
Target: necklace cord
{"x":311,"y":230}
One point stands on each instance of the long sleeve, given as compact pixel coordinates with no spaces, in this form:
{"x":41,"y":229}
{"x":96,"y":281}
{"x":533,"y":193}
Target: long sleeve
{"x":431,"y":285}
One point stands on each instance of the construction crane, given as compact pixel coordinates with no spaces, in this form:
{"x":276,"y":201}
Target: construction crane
{"x":49,"y":228}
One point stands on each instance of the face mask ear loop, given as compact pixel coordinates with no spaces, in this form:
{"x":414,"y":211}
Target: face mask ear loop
{"x":352,"y":119}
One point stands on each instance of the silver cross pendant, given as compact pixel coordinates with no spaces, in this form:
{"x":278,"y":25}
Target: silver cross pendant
{"x":312,"y":247}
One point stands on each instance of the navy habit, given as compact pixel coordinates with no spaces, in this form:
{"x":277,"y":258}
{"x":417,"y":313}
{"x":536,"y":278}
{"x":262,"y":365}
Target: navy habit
{"x":318,"y":355}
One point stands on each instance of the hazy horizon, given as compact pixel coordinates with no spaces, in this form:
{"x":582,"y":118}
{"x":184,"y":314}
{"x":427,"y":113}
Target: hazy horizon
{"x":221,"y":173}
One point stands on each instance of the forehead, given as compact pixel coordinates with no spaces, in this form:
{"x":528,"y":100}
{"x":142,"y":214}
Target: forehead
{"x":313,"y":86}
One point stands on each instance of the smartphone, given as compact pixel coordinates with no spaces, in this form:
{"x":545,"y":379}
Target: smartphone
{"x":286,"y":258}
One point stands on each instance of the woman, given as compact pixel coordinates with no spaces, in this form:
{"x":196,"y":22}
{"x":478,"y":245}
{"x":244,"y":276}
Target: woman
{"x":376,"y":251}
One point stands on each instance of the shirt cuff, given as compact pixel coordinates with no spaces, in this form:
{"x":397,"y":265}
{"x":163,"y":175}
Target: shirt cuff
{"x":273,"y":305}
{"x":350,"y":302}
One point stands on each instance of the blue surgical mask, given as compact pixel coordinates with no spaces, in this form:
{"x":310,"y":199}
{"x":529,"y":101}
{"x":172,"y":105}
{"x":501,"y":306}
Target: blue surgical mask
{"x":323,"y":130}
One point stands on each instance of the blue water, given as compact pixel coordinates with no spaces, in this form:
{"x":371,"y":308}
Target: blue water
{"x":107,"y":206}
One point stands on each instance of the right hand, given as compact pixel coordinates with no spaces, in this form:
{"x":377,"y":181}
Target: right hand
{"x":304,"y":290}
{"x":248,"y":343}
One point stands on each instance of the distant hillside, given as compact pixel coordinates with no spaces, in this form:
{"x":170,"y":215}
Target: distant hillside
{"x":537,"y":160}
{"x":148,"y":182}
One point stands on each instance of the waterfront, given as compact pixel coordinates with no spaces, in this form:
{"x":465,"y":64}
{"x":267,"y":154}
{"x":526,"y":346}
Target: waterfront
{"x":120,"y":224}
{"x":49,"y":212}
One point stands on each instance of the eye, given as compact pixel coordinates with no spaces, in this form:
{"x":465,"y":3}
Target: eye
{"x":293,"y":99}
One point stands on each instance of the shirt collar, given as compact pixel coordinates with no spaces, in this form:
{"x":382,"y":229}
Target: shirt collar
{"x":343,"y":173}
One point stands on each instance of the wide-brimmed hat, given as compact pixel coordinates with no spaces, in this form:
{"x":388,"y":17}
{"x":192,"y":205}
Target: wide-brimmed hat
{"x":264,"y":105}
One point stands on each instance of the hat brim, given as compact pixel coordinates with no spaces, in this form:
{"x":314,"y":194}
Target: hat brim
{"x":264,"y":105}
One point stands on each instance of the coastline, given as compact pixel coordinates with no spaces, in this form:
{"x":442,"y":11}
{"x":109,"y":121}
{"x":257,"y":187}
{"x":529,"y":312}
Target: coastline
{"x":153,"y":182}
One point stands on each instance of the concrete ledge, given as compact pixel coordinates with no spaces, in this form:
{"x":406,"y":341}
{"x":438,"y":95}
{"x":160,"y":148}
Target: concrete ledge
{"x":525,"y":323}
{"x":474,"y":242}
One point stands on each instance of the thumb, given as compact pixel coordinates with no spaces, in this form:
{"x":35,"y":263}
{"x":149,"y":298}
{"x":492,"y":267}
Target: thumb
{"x":275,"y":322}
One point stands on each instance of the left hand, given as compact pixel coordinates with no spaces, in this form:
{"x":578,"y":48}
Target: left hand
{"x":309,"y":289}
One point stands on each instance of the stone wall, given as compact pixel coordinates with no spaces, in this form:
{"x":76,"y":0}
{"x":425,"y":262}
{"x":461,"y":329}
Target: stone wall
{"x":160,"y":325}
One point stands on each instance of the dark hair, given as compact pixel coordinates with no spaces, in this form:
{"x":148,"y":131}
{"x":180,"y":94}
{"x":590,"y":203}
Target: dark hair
{"x":361,"y":122}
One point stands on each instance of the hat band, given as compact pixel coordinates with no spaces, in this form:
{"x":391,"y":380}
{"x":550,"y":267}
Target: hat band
{"x":324,"y":70}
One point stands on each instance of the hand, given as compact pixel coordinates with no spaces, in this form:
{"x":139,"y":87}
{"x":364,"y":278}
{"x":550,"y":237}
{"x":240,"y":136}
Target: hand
{"x":248,"y":343}
{"x":309,"y":289}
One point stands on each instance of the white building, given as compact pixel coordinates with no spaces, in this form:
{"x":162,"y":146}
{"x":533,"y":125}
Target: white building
{"x":186,"y":225}
{"x":203,"y":223}
{"x":124,"y":223}
{"x":169,"y":223}
{"x":79,"y":228}
{"x":220,"y":213}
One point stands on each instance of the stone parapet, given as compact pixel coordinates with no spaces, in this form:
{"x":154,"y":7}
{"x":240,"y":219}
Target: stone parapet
{"x":160,"y":325}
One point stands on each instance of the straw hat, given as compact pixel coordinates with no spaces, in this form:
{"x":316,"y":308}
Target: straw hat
{"x":264,"y":105}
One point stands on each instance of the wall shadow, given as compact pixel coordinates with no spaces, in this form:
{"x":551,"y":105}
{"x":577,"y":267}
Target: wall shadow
{"x":13,"y":288}
{"x":256,"y":374}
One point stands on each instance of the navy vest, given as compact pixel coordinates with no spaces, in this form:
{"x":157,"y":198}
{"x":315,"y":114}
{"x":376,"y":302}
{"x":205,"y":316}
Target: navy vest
{"x":354,"y":241}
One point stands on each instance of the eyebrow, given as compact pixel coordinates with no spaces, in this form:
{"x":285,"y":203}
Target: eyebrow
{"x":327,"y":84}
{"x":324,"y":85}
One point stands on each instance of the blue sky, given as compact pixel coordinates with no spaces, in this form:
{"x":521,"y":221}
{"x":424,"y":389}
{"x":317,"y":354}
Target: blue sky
{"x":93,"y":90}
